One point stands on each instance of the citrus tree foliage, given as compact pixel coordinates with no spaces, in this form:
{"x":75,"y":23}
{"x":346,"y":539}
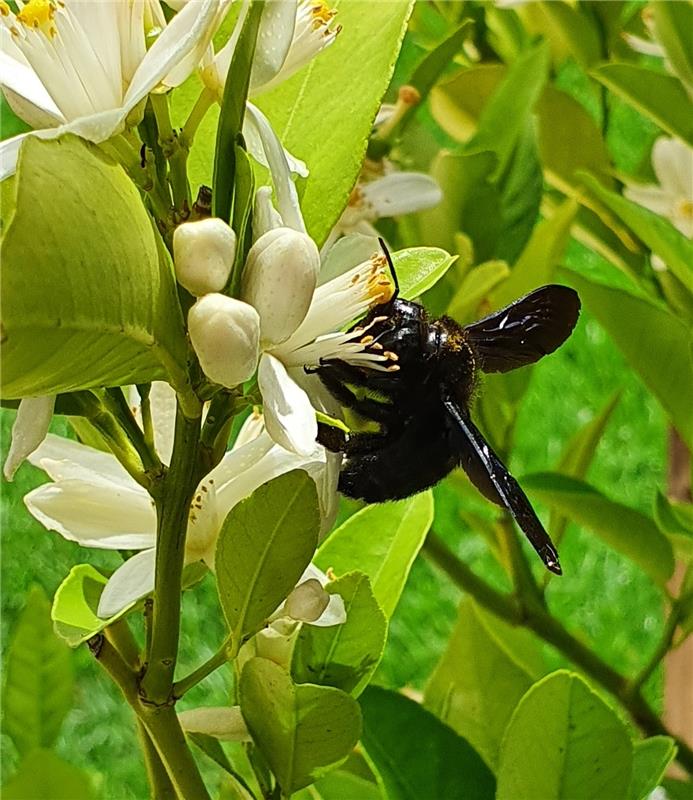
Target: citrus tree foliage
{"x":189,"y":225}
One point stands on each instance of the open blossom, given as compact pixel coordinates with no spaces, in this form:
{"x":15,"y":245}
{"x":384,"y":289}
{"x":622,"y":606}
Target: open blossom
{"x":92,"y":500}
{"x":82,"y":67}
{"x":672,"y":197}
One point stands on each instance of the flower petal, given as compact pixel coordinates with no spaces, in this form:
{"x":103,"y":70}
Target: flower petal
{"x":95,"y":515}
{"x":343,"y":254}
{"x":287,"y":196}
{"x":334,"y":614}
{"x":289,"y":415}
{"x":273,"y":41}
{"x":130,"y":582}
{"x":401,"y":193}
{"x":673,"y":165}
{"x":180,"y":46}
{"x":651,"y":197}
{"x":29,"y":430}
{"x":163,"y":404}
{"x":65,"y":459}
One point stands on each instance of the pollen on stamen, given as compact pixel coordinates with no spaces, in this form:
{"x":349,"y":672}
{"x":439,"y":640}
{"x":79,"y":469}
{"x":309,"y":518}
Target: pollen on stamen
{"x":4,"y":9}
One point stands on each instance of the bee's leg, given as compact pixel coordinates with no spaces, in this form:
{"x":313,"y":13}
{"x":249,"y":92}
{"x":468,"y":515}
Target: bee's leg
{"x":364,"y":406}
{"x":331,"y":438}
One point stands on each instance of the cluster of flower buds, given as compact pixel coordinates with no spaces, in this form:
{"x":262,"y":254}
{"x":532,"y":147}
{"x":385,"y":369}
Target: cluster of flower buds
{"x":277,"y":286}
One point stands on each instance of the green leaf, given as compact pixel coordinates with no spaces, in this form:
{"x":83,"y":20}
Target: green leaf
{"x":420,"y":268}
{"x":541,"y":256}
{"x":651,"y":757}
{"x":678,"y":790}
{"x":416,"y":756}
{"x":564,"y":742}
{"x":42,"y":775}
{"x":569,"y":30}
{"x":655,"y":343}
{"x":504,"y":118}
{"x":39,"y":684}
{"x":471,"y":202}
{"x":382,"y":541}
{"x":98,"y":306}
{"x":265,"y":544}
{"x":675,"y":520}
{"x":673,"y":25}
{"x":324,"y":113}
{"x":475,"y":289}
{"x":658,"y":96}
{"x":621,"y":527}
{"x":579,"y":452}
{"x":75,"y":604}
{"x":232,"y":113}
{"x":460,"y":692}
{"x":569,"y":140}
{"x":302,"y":731}
{"x":344,"y":656}
{"x":657,"y":233}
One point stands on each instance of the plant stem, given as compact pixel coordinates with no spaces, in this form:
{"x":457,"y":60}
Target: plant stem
{"x":660,"y":651}
{"x":201,"y":107}
{"x":553,"y":632}
{"x":214,"y":662}
{"x":172,"y":514}
{"x":176,"y":154}
{"x":117,"y":404}
{"x":159,"y":781}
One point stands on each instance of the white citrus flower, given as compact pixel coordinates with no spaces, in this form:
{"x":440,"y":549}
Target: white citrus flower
{"x":672,"y":197}
{"x":92,"y":500}
{"x":82,"y":67}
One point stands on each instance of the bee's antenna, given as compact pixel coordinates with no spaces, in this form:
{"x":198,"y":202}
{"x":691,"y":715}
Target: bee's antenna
{"x":392,"y":268}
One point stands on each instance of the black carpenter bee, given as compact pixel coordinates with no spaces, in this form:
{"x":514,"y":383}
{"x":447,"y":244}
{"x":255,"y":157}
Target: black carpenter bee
{"x":421,"y":403}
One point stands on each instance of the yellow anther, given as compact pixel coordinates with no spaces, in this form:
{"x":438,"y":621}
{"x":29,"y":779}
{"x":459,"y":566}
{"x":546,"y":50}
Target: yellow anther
{"x":4,"y":9}
{"x":37,"y":14}
{"x":322,"y":14}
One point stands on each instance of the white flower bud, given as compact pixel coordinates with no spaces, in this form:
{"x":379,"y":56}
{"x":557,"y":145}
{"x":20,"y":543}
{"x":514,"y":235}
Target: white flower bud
{"x":203,"y":253}
{"x":279,"y":279}
{"x":307,"y":601}
{"x":226,"y":336}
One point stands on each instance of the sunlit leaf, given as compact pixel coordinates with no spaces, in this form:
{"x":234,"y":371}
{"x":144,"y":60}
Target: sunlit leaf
{"x":564,"y":742}
{"x":420,"y":268}
{"x":98,"y":305}
{"x":460,"y":692}
{"x":382,"y":541}
{"x":264,"y":545}
{"x":651,"y":757}
{"x":302,"y":731}
{"x":346,"y":655}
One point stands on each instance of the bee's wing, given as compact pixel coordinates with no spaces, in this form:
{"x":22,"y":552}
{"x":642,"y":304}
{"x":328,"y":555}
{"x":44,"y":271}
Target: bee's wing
{"x":491,"y":477}
{"x":526,"y":330}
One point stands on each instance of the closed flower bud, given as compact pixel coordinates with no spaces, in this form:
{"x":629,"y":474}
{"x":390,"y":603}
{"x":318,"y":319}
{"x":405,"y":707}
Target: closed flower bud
{"x":226,"y":336}
{"x":279,"y":279}
{"x":203,"y":253}
{"x":307,"y":601}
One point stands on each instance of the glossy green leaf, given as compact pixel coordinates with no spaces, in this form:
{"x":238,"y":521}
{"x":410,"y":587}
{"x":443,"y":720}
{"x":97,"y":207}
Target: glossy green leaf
{"x":75,"y":604}
{"x":460,"y":691}
{"x":324,"y":113}
{"x":420,"y":268}
{"x":643,"y":332}
{"x":673,"y":29}
{"x":579,"y":452}
{"x":540,"y":258}
{"x":264,"y":545}
{"x":475,"y":289}
{"x":302,"y":731}
{"x":39,"y":685}
{"x":621,"y":527}
{"x":651,"y":757}
{"x":657,"y":233}
{"x":659,"y":96}
{"x":99,"y":305}
{"x":344,"y":656}
{"x":564,"y":742}
{"x":504,"y":118}
{"x":42,"y":775}
{"x":382,"y":541}
{"x":415,"y":755}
